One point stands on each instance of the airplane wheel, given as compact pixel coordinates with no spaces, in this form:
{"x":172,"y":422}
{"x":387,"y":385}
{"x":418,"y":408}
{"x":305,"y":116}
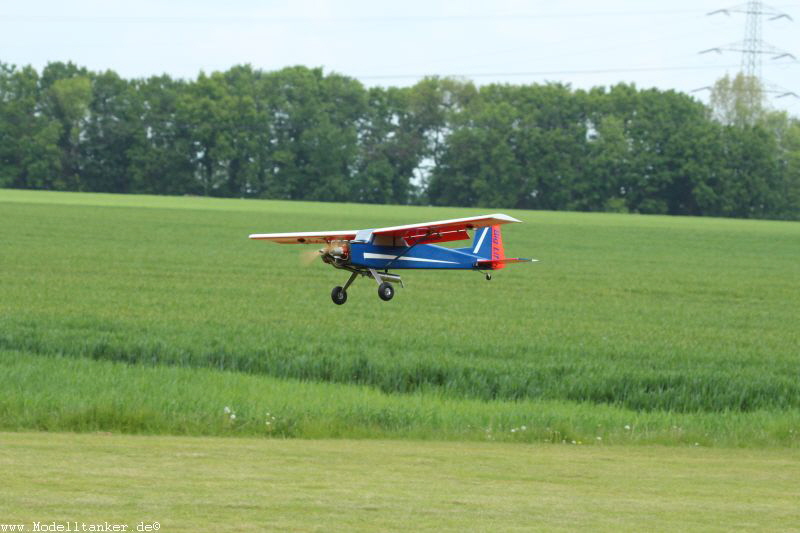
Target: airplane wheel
{"x":386,"y":291}
{"x":488,"y":277}
{"x":338,"y":295}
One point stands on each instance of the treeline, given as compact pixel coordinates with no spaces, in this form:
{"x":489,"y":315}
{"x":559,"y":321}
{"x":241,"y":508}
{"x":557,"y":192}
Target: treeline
{"x":302,"y":134}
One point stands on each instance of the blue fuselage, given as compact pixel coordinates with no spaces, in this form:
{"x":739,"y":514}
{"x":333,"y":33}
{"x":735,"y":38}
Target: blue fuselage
{"x":419,"y":256}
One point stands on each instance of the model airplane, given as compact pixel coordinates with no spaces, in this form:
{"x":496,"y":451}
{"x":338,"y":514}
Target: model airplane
{"x":372,"y":252}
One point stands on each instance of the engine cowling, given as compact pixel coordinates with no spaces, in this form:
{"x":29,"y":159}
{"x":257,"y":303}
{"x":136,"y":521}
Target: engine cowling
{"x":336,"y":252}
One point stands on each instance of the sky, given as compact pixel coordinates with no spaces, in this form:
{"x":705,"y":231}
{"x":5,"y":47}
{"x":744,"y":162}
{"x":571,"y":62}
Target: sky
{"x":582,"y":43}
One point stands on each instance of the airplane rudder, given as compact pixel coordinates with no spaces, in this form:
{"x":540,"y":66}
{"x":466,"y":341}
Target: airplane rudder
{"x":482,"y":242}
{"x":497,"y":250}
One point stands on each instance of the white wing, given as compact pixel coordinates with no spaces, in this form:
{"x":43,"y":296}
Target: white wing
{"x":305,"y":237}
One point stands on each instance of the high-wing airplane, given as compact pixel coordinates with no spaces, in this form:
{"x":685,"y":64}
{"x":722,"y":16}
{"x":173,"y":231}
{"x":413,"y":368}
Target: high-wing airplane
{"x":372,"y":252}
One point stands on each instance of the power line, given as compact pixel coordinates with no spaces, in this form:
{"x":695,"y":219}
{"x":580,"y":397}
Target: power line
{"x":543,"y":72}
{"x":190,"y":19}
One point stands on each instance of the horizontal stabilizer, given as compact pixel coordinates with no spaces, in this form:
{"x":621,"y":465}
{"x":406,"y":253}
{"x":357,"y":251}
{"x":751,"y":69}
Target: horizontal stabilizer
{"x":494,"y":263}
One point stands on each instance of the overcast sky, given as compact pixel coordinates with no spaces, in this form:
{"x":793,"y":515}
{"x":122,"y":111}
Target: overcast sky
{"x":580,"y":42}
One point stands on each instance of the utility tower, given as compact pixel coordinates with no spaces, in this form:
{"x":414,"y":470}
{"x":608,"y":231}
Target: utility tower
{"x":753,"y":48}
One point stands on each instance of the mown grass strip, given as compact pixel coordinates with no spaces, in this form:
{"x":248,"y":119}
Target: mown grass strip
{"x":205,"y":484}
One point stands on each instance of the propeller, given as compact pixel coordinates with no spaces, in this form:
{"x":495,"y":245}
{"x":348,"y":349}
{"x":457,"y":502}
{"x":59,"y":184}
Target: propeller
{"x":308,"y":256}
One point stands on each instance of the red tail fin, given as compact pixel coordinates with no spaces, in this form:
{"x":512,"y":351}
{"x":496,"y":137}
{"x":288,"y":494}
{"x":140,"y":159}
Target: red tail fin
{"x":497,"y":259}
{"x":498,"y":252}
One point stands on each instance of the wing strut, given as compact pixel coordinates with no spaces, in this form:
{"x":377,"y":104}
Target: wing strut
{"x":404,"y":252}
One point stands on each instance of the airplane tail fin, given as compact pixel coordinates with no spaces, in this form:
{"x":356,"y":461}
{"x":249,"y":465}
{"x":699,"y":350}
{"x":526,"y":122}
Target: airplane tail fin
{"x":487,"y":243}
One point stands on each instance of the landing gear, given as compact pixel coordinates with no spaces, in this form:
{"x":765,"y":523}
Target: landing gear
{"x":338,"y":295}
{"x":488,"y":277}
{"x":385,"y":291}
{"x":383,"y":279}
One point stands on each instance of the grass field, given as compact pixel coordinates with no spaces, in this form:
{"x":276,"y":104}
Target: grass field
{"x":542,"y":400}
{"x":651,"y":316}
{"x":212,"y":484}
{"x":75,"y":394}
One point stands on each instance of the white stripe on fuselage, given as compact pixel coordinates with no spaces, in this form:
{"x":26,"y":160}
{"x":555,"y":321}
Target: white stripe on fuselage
{"x":369,"y":255}
{"x":480,"y":241}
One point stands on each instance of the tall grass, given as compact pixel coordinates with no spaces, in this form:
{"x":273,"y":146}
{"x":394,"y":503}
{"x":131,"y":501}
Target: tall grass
{"x":75,"y":394}
{"x":646,"y":313}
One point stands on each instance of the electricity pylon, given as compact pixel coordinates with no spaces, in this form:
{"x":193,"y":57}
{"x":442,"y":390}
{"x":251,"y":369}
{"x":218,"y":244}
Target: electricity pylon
{"x":753,"y":48}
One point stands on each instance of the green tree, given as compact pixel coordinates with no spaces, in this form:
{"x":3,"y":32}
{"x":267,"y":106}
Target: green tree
{"x":609,"y":168}
{"x":666,"y":152}
{"x":203,"y":108}
{"x":29,"y":153}
{"x":512,"y":146}
{"x":390,"y":148}
{"x":112,"y":130}
{"x":314,"y":132}
{"x":66,"y":92}
{"x":738,"y":101}
{"x":161,"y":163}
{"x":434,"y":106}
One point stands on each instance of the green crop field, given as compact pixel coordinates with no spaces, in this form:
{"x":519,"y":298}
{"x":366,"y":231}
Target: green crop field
{"x":655,"y":317}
